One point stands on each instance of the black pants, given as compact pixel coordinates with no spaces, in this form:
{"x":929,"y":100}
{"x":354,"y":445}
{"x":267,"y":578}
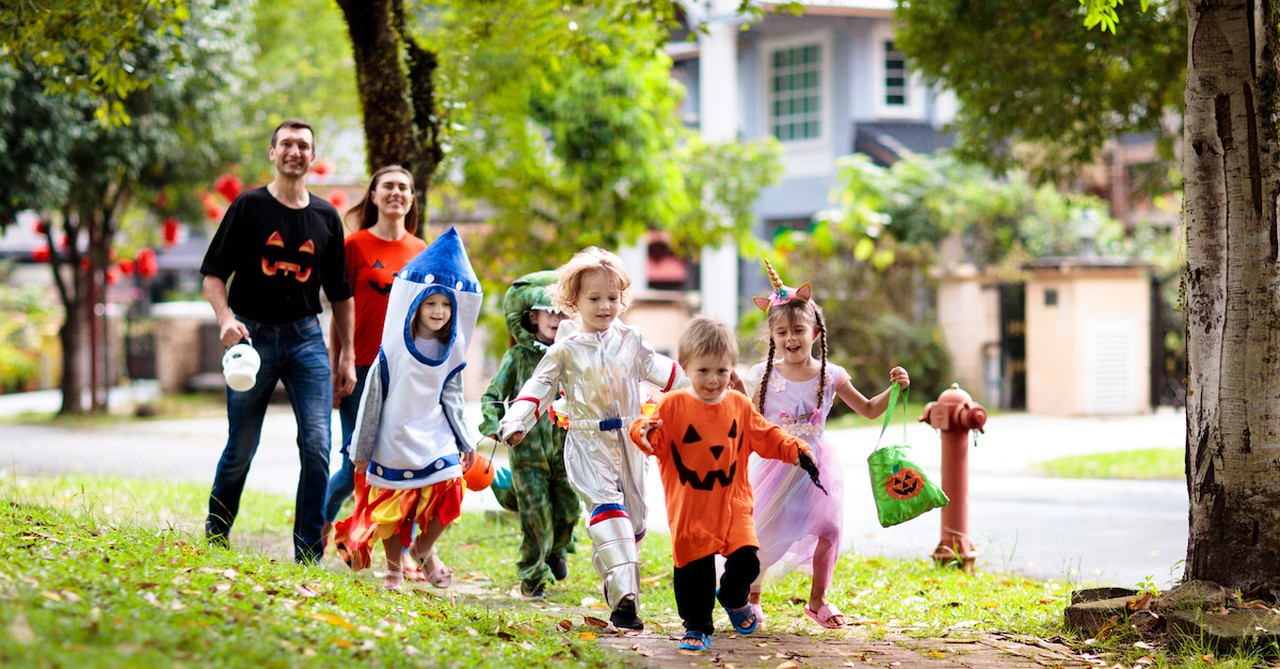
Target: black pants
{"x":695,"y":586}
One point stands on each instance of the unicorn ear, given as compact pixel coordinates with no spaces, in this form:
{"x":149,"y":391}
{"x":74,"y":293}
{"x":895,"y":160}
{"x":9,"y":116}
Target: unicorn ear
{"x":803,"y":292}
{"x":762,"y":302}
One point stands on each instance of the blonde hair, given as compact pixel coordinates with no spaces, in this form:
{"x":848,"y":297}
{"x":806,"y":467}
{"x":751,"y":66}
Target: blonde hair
{"x":792,"y":311}
{"x":564,"y":295}
{"x":706,"y":337}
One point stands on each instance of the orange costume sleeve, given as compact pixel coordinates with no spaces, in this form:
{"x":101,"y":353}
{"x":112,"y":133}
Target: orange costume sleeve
{"x":702,"y":451}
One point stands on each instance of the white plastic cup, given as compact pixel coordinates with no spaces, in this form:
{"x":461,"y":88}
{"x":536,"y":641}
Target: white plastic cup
{"x":240,"y":366}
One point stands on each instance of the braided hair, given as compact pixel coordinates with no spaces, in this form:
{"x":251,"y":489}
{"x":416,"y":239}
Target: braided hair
{"x":789,"y":312}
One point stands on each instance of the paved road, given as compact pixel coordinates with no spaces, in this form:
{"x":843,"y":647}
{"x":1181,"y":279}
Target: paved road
{"x":1104,"y":532}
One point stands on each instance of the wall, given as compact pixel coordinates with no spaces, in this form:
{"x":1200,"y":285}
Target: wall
{"x":969,"y":316}
{"x":1089,"y":353}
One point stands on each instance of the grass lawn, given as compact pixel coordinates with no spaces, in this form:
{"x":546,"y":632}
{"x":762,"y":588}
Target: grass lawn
{"x":1147,"y":464}
{"x":106,"y":572}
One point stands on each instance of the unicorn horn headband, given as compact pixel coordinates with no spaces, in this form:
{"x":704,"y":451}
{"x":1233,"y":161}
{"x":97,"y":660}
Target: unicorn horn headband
{"x":781,"y":293}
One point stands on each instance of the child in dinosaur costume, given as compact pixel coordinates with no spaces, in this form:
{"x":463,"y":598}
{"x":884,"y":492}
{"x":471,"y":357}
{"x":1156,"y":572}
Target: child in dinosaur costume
{"x":540,"y":489}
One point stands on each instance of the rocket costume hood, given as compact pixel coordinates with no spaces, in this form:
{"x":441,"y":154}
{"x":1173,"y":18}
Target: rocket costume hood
{"x":411,"y":426}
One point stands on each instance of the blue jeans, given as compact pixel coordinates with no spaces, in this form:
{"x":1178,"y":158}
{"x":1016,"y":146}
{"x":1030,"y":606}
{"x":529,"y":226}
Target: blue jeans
{"x":343,"y":481}
{"x":295,"y":354}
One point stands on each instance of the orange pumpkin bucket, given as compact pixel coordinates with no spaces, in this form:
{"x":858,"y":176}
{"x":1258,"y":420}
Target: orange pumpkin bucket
{"x":479,"y":475}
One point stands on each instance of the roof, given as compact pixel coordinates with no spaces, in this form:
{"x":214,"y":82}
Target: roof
{"x":883,"y":8}
{"x":886,"y":142}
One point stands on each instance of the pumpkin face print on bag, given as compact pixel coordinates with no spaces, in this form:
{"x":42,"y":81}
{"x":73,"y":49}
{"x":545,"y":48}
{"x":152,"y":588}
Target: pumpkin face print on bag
{"x":701,"y":462}
{"x":905,"y":483}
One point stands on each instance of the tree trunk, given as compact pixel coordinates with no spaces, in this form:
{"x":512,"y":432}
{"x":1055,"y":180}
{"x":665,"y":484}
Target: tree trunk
{"x":70,"y":335}
{"x":397,"y":92}
{"x":1232,"y":294}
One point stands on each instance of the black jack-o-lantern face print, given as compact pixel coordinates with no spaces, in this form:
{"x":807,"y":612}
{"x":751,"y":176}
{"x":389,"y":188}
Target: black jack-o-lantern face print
{"x":904,"y":483}
{"x":380,"y":278}
{"x":276,"y":259}
{"x":702,"y":463}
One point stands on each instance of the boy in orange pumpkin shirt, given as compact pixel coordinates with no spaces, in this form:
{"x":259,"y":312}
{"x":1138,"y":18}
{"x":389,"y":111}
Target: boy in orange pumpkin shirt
{"x":702,"y":437}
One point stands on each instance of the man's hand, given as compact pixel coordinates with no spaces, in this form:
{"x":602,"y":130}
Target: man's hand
{"x":644,"y":436}
{"x":232,"y":332}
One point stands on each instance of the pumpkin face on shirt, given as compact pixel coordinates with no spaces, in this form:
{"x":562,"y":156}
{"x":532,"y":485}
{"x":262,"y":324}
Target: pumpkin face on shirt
{"x":703,"y":461}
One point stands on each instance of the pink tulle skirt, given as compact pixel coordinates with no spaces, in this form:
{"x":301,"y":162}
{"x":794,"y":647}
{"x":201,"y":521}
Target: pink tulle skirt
{"x":791,"y":513}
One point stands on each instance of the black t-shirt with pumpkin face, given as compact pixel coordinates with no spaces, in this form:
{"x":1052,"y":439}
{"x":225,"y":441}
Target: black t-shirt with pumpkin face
{"x":277,"y":258}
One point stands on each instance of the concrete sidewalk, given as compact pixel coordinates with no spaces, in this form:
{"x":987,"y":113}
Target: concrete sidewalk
{"x":1099,"y":532}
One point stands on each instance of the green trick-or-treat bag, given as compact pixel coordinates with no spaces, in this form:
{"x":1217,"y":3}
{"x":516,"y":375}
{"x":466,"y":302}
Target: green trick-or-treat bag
{"x":901,"y":489}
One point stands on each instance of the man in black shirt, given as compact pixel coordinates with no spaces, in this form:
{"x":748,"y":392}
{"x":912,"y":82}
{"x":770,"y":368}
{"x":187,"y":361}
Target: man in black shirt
{"x":278,"y":246}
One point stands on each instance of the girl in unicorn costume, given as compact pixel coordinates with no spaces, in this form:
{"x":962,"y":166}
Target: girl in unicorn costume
{"x":411,"y":443}
{"x":599,"y":364}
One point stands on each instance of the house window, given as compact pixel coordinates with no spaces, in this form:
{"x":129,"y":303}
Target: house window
{"x":895,"y":76}
{"x":796,"y":93}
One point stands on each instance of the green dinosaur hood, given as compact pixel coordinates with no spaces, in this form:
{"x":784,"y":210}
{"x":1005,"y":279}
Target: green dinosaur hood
{"x":525,"y":293}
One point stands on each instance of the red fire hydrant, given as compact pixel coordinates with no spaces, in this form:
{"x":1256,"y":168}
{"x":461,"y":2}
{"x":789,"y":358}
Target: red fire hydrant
{"x":955,"y":413}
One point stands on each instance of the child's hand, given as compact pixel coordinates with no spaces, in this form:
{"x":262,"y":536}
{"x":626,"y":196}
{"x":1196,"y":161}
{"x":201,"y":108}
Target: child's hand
{"x":644,"y":436}
{"x":515,"y":438}
{"x":468,"y":459}
{"x":360,"y":465}
{"x":736,"y":383}
{"x":900,"y":376}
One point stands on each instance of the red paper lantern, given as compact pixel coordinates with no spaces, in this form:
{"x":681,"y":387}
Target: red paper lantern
{"x":322,"y":167}
{"x":63,"y":242}
{"x":40,"y":227}
{"x":126,"y":266}
{"x":339,"y":199}
{"x":147,"y":264}
{"x":41,"y":253}
{"x":170,"y":231}
{"x":228,"y":185}
{"x":162,"y":200}
{"x":84,"y":264}
{"x":113,"y":276}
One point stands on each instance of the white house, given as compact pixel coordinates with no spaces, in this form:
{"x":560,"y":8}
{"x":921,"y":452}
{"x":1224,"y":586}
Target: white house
{"x":826,"y":84}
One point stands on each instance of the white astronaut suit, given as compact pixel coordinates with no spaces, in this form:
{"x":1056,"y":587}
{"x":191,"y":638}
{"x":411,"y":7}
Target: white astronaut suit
{"x":600,"y":375}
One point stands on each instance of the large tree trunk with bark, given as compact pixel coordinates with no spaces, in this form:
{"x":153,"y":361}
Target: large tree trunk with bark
{"x":1233,"y":294}
{"x":396,"y":77}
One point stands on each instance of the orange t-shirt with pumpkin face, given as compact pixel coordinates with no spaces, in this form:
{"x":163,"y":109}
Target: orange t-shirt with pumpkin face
{"x":702,"y":452}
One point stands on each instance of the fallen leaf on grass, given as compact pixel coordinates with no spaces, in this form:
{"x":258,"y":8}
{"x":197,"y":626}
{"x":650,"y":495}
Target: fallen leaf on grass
{"x":588,"y":636}
{"x":935,"y":655}
{"x":51,"y":596}
{"x":302,"y":590}
{"x":564,"y":625}
{"x":787,"y":665}
{"x":525,"y":629}
{"x":651,"y":580}
{"x":336,"y":621}
{"x":595,"y":622}
{"x":20,"y":630}
{"x":1140,"y":603}
{"x":471,"y":631}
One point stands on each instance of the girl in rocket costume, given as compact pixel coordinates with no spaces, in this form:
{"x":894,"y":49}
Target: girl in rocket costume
{"x":599,"y":365}
{"x":410,"y":428}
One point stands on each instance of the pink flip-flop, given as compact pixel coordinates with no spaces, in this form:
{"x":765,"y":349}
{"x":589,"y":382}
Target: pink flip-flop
{"x":824,"y":615}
